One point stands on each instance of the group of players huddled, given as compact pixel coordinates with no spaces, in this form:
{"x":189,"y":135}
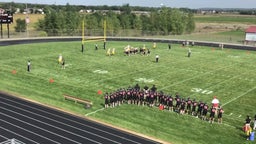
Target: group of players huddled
{"x":151,"y":97}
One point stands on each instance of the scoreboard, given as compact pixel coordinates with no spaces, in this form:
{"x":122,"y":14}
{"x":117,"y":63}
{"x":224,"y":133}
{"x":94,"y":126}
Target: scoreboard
{"x":6,"y":18}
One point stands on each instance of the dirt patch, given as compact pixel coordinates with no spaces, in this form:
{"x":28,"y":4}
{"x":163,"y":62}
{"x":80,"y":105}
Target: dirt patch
{"x":219,"y":27}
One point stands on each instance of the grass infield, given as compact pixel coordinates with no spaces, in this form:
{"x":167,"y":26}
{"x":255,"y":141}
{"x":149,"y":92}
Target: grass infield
{"x":228,"y":74}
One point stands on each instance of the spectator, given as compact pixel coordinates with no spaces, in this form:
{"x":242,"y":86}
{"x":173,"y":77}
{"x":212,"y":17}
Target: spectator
{"x":248,"y":120}
{"x":248,"y":131}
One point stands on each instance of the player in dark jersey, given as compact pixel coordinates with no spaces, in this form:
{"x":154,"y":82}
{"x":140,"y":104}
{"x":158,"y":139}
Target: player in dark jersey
{"x":205,"y":110}
{"x":178,"y":102}
{"x":194,"y":104}
{"x":106,"y":97}
{"x":213,"y":111}
{"x":112,"y":104}
{"x":151,"y":99}
{"x":137,"y":87}
{"x":220,"y":112}
{"x":189,"y":103}
{"x":170,"y":103}
{"x":153,"y":88}
{"x":182,"y":107}
{"x":200,"y":108}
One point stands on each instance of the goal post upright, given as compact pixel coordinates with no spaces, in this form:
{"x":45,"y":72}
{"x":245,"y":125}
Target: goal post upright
{"x":83,"y":35}
{"x":105,"y":30}
{"x":101,"y":38}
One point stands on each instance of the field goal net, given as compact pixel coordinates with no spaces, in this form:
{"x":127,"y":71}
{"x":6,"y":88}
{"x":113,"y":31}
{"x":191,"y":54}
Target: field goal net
{"x":12,"y":141}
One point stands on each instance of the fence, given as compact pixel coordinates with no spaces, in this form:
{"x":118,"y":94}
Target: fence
{"x":203,"y":36}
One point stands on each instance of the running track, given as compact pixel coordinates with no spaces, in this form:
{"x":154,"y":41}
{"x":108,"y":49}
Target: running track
{"x":32,"y":123}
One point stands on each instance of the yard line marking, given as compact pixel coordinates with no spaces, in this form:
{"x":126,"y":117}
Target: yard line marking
{"x":239,"y":96}
{"x":222,"y":81}
{"x":228,"y":125}
{"x":230,"y":114}
{"x":192,"y":78}
{"x":94,"y":112}
{"x":239,"y":116}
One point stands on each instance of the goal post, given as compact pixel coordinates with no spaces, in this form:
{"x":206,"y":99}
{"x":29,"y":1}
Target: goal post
{"x":93,"y":39}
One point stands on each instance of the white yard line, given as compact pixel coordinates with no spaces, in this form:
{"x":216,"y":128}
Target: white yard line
{"x":206,"y":73}
{"x":239,"y":96}
{"x":94,"y":112}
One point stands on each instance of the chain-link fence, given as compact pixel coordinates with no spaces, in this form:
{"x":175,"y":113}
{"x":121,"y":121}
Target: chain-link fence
{"x":204,"y":36}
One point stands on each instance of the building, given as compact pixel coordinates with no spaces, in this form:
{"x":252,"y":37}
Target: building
{"x":250,"y":35}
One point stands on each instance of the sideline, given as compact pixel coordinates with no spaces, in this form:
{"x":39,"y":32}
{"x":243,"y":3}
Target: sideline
{"x":94,"y":112}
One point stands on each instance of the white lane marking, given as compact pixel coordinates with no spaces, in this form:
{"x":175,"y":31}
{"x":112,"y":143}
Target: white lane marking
{"x":62,"y":124}
{"x":239,"y":96}
{"x":2,"y":135}
{"x":53,"y":127}
{"x":39,"y":128}
{"x":75,"y":121}
{"x":94,"y":112}
{"x":26,"y":131}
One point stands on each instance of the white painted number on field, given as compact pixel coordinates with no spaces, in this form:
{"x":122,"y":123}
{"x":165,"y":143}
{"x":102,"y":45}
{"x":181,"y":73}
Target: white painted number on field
{"x":100,"y":71}
{"x":198,"y":90}
{"x":144,"y":80}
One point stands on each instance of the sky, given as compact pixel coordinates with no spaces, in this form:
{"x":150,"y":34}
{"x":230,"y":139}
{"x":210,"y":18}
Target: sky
{"x":193,"y":4}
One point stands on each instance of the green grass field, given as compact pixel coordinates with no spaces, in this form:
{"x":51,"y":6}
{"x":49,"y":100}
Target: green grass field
{"x":228,"y":74}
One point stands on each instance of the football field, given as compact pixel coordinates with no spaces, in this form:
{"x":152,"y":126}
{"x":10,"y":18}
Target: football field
{"x":228,"y":74}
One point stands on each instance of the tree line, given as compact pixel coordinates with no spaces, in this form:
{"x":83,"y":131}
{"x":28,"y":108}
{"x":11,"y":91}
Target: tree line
{"x":67,"y":20}
{"x":164,"y":21}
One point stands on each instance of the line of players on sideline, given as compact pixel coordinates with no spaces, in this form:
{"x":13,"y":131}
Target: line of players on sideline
{"x":151,"y":97}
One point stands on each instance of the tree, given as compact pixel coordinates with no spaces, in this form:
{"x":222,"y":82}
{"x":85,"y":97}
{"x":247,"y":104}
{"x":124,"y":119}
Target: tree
{"x":21,"y":25}
{"x":177,"y":21}
{"x":190,"y":26}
